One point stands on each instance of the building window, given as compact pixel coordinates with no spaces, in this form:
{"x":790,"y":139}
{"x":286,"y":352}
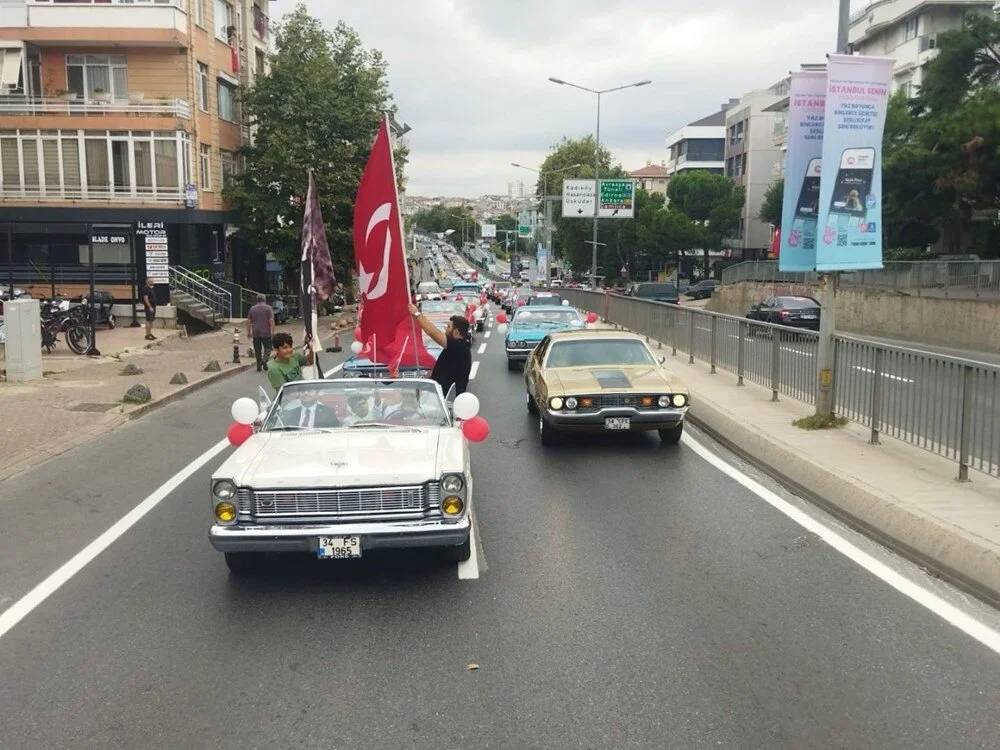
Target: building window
{"x":98,"y":165}
{"x":706,"y":149}
{"x":911,"y":27}
{"x":260,"y":22}
{"x":198,"y":10}
{"x":261,"y":62}
{"x":223,"y":20}
{"x":229,"y":165}
{"x":205,"y":166}
{"x":97,"y":76}
{"x":203,"y":87}
{"x":227,"y":101}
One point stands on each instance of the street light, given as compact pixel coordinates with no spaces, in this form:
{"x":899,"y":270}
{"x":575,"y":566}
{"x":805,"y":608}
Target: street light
{"x":597,"y":156}
{"x":545,"y":197}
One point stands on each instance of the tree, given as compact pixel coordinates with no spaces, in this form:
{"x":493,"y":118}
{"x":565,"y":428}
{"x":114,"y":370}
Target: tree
{"x":770,"y":207}
{"x":318,"y":108}
{"x":440,"y":218}
{"x":710,"y":200}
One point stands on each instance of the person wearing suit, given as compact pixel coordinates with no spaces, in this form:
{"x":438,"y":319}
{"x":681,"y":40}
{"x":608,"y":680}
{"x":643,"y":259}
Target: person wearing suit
{"x":310,"y":413}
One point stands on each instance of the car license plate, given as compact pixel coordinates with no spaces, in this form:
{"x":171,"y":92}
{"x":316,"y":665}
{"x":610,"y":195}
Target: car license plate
{"x":339,"y":547}
{"x":617,"y":423}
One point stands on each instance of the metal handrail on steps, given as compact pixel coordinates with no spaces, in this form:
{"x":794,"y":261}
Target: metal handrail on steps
{"x":213,"y":296}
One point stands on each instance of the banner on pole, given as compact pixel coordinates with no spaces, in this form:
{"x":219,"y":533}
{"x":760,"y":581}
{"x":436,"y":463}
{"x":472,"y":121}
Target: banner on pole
{"x":488,"y":230}
{"x":850,"y":196}
{"x":800,"y":206}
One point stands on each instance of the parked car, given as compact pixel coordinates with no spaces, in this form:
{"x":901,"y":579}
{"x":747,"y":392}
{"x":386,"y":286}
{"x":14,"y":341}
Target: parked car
{"x":702,"y":289}
{"x":798,"y":312}
{"x":657,"y":291}
{"x":377,"y":464}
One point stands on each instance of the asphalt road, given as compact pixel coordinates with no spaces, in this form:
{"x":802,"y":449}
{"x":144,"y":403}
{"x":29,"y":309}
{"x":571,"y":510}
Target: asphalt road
{"x":630,"y":595}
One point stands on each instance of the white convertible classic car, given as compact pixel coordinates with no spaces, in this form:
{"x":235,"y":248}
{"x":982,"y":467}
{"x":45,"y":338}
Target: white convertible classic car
{"x":340,"y":467}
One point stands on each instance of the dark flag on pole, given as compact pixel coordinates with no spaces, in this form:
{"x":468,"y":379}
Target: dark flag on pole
{"x":317,"y":280}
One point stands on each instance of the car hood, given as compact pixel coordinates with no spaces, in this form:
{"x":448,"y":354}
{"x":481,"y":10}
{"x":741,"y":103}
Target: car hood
{"x":534,"y":333}
{"x":613,"y":379}
{"x":343,"y":458}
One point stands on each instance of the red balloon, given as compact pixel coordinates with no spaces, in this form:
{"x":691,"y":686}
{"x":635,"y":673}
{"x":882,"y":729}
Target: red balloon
{"x":501,"y":317}
{"x":591,"y":317}
{"x":476,"y":430}
{"x":239,"y":433}
{"x":357,"y":334}
{"x":459,"y":298}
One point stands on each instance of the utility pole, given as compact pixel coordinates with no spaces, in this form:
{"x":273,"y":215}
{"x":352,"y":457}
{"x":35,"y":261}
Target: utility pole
{"x":827,"y":290}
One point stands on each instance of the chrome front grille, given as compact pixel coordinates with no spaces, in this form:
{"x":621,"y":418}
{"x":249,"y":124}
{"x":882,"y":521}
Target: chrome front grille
{"x":619,"y":401}
{"x":349,"y":504}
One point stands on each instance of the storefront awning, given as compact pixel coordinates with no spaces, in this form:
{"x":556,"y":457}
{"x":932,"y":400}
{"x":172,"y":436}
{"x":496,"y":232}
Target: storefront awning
{"x":11,"y":59}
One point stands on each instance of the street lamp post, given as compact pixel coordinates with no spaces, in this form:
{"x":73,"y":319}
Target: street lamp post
{"x":548,"y":204}
{"x":597,"y":159}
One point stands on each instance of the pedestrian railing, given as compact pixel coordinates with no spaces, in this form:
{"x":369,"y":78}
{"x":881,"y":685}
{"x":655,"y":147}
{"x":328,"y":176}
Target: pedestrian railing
{"x":931,"y":278}
{"x":947,"y":405}
{"x":213,"y":296}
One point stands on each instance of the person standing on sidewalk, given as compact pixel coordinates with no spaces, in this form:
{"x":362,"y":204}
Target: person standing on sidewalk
{"x":148,"y":296}
{"x":260,"y":328}
{"x":287,"y":364}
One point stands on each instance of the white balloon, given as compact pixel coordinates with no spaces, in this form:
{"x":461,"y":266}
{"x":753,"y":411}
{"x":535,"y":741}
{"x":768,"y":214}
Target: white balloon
{"x":565,"y":303}
{"x":245,"y":410}
{"x":357,"y":346}
{"x":502,"y":328}
{"x":466,"y":405}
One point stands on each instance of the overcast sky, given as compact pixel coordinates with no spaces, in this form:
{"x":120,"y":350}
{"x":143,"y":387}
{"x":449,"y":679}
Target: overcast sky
{"x":471,"y":76}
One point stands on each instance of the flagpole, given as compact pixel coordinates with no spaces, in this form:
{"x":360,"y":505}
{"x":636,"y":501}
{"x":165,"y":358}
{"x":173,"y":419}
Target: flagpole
{"x":402,"y":236}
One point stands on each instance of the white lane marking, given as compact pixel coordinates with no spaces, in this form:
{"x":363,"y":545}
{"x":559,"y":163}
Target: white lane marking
{"x":24,"y":606}
{"x":474,"y":370}
{"x":870,"y":371}
{"x":929,"y":600}
{"x":482,"y":348}
{"x":330,"y":372}
{"x":468,"y":570}
{"x":487,"y":334}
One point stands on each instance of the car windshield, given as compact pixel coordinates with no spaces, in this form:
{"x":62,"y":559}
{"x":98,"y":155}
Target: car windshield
{"x":452,"y":308}
{"x":543,"y":317}
{"x":349,"y":404}
{"x":598,"y":353}
{"x":548,"y":299}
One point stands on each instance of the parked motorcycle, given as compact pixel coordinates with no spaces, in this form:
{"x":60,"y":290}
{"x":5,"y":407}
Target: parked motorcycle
{"x":56,"y":318}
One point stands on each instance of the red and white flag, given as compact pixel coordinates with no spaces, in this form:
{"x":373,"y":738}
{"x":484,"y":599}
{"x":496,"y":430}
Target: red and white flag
{"x":388,"y":332}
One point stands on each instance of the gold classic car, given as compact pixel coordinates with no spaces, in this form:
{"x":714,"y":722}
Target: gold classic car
{"x":601,"y":380}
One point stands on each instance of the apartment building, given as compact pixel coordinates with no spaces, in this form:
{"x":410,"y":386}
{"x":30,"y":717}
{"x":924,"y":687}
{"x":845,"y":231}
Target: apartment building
{"x":699,"y":145}
{"x":907,"y":30}
{"x":753,"y":160}
{"x":652,"y":178}
{"x":126,"y":113}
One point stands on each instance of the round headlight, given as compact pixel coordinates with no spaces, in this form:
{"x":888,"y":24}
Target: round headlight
{"x":224,"y":489}
{"x":452,"y":483}
{"x":680,"y":400}
{"x":664,"y":402}
{"x":225,"y":512}
{"x":556,"y":403}
{"x":452,"y":505}
{"x":571,"y":403}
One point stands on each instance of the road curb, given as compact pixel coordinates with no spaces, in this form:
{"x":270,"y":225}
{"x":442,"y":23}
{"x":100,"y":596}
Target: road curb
{"x":181,"y":392}
{"x":948,"y":552}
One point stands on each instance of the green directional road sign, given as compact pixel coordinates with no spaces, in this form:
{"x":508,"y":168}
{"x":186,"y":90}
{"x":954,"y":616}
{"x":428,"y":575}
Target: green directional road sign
{"x":616,"y":199}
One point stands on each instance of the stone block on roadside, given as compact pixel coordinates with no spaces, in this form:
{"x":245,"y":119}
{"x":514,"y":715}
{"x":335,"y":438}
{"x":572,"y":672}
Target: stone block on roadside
{"x":137,"y":394}
{"x":212,"y":366}
{"x":130,"y":369}
{"x":179,"y":378}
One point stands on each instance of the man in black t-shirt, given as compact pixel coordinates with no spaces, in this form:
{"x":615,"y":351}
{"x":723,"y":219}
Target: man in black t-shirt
{"x":148,"y":296}
{"x":455,"y":361}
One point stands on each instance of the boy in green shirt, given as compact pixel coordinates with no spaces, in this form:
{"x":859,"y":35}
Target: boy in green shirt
{"x":287,"y":363}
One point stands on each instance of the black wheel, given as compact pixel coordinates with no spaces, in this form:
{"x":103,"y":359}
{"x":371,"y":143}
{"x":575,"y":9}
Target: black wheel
{"x":242,"y":563}
{"x":672,"y":435}
{"x":532,"y":406}
{"x":49,"y":337}
{"x":512,"y":364}
{"x":548,"y":434}
{"x":78,"y":339}
{"x":459,"y":553}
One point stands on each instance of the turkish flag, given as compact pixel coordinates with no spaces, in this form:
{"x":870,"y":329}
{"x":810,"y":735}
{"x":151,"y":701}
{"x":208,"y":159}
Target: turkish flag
{"x":388,"y":332}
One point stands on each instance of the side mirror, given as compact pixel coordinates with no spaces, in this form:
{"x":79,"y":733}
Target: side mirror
{"x":663,"y":360}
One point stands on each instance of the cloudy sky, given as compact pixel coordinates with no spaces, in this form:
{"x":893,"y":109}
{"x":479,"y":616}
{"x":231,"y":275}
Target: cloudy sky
{"x":471,"y":76}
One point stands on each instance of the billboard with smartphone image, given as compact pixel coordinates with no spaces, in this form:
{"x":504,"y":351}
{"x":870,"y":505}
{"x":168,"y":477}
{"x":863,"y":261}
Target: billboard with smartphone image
{"x":849,"y":224}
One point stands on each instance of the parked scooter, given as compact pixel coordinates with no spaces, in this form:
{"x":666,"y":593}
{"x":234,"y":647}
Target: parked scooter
{"x":57,"y":318}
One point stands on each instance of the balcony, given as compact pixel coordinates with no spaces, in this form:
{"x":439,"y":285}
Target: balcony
{"x":135,"y":105}
{"x":260,"y":23}
{"x":161,"y":23}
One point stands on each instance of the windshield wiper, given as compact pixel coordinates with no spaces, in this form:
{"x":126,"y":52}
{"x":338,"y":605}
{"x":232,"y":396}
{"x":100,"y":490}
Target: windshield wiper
{"x":384,"y":424}
{"x":282,"y":428}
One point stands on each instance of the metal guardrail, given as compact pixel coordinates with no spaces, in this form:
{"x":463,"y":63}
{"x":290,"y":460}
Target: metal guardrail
{"x":213,"y":296}
{"x":35,"y":105}
{"x":946,"y":405}
{"x":931,"y":278}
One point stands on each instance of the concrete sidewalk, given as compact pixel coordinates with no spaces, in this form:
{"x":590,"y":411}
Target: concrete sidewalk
{"x":906,"y":497}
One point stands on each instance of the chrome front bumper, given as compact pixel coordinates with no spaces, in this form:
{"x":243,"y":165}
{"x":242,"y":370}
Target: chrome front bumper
{"x":520,"y":354}
{"x":305,"y":537}
{"x":645,"y":419}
